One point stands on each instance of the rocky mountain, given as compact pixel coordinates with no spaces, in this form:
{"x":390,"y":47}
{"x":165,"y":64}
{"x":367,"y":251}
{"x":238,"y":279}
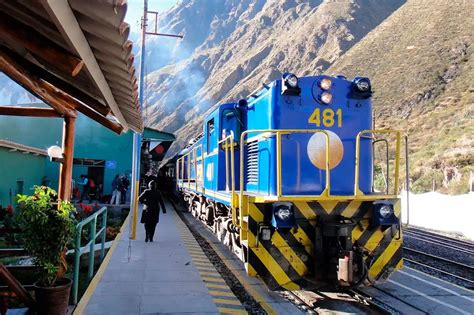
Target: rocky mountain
{"x":231,"y":47}
{"x":417,"y":52}
{"x":421,"y":63}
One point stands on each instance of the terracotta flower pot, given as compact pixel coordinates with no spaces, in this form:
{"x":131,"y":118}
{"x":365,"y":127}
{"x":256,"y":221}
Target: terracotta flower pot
{"x":53,"y":300}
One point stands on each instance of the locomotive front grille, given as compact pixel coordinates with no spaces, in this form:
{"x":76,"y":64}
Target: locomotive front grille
{"x":252,"y":162}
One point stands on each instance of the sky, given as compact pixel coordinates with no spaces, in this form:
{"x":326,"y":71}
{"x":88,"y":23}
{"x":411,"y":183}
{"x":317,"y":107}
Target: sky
{"x":135,"y":10}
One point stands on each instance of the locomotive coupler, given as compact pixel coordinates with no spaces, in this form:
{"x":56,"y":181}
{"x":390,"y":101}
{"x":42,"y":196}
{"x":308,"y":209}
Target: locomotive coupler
{"x":339,"y":259}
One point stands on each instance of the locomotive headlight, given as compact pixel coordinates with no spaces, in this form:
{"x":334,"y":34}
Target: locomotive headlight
{"x":325,"y":84}
{"x":283,"y":213}
{"x":291,"y":80}
{"x":326,"y":97}
{"x":386,"y":211}
{"x":362,"y":84}
{"x":290,"y":84}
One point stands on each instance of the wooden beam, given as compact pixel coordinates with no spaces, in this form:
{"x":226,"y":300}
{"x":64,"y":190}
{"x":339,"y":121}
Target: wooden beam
{"x":104,"y":121}
{"x":64,"y":85}
{"x":17,"y":34}
{"x":60,"y":101}
{"x":65,"y":20}
{"x":16,"y":287}
{"x":28,"y":111}
{"x":65,"y":171}
{"x":35,"y":85}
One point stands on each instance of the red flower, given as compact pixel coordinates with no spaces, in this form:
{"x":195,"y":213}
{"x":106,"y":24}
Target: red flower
{"x":9,"y":210}
{"x":87,"y":209}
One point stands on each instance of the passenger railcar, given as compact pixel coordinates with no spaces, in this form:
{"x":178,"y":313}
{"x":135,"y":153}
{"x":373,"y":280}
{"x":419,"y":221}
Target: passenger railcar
{"x":285,"y":178}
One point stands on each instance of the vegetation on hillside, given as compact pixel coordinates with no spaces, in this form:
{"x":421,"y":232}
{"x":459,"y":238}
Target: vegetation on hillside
{"x":421,"y":63}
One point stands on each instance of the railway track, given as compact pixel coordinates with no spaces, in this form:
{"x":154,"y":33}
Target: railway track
{"x":441,"y":256}
{"x":440,"y":240}
{"x":351,"y":302}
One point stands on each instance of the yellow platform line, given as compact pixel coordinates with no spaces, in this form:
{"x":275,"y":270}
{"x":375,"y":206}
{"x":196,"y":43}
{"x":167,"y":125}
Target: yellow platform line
{"x":198,"y":256}
{"x":210,"y":274}
{"x":224,"y":310}
{"x":225,"y":301}
{"x":248,"y":287}
{"x":221,"y":293}
{"x":81,"y":306}
{"x":213,"y":279}
{"x":202,"y":263}
{"x":201,"y":260}
{"x":217,"y":286}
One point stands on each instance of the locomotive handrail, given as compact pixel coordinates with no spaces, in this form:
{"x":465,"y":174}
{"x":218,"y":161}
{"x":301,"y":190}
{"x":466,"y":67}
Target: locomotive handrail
{"x":278,"y":132}
{"x":229,"y":145}
{"x":191,"y":157}
{"x":357,"y":191}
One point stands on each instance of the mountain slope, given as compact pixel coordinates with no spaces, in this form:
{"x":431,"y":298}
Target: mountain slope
{"x":421,"y":64}
{"x":246,"y":44}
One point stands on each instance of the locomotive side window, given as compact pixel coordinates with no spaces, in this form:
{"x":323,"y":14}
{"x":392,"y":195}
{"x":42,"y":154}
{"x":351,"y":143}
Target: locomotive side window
{"x":211,"y":136}
{"x":232,"y":124}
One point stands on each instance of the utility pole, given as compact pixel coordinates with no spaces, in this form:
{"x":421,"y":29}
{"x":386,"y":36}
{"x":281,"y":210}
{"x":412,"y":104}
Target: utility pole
{"x":137,"y":137}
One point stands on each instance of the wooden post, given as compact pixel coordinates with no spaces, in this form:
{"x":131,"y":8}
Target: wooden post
{"x":65,"y":173}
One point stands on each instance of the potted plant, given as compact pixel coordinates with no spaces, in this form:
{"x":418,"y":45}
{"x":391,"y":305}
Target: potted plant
{"x":48,"y":227}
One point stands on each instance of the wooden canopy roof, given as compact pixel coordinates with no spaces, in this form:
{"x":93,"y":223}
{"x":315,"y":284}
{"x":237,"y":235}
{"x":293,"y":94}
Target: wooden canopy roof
{"x":74,"y":55}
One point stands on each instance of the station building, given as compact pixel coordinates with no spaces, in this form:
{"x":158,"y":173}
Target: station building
{"x":98,"y":152}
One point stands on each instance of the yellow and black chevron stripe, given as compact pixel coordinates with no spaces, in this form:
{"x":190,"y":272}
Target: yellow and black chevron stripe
{"x":287,"y":260}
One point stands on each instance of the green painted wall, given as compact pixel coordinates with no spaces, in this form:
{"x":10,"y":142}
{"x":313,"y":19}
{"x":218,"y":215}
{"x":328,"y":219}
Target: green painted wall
{"x":92,"y":142}
{"x":18,"y":167}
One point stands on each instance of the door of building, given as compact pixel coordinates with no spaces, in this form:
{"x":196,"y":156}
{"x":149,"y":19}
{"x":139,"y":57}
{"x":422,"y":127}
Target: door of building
{"x":97,"y":175}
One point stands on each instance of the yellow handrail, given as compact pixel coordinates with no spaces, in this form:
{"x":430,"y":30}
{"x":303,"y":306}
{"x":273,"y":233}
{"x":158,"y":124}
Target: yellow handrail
{"x":357,"y":191}
{"x":278,"y":132}
{"x":229,"y":145}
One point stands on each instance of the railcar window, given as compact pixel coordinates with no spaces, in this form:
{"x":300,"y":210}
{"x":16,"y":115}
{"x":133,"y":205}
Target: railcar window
{"x":231,"y":123}
{"x":211,"y":136}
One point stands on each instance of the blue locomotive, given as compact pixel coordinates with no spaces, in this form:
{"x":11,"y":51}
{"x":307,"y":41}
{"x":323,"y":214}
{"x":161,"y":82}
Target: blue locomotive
{"x":285,"y":178}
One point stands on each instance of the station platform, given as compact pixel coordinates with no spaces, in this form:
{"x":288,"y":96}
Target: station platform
{"x":171,"y":275}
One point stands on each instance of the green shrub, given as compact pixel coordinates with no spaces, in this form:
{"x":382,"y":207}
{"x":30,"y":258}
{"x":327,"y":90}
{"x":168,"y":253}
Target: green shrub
{"x":48,"y":227}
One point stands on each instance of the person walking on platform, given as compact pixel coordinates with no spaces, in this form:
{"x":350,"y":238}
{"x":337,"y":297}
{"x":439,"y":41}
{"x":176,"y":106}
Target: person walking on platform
{"x":116,"y":193}
{"x":124,"y":183}
{"x":152,"y":203}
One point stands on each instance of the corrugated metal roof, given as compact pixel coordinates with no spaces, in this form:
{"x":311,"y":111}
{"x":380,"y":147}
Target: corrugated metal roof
{"x":13,"y":146}
{"x":106,"y":33}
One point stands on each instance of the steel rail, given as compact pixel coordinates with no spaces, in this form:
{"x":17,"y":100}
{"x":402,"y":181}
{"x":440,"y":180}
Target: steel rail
{"x":439,"y":258}
{"x":439,"y":237}
{"x":438,"y":270}
{"x":365,"y":298}
{"x":437,"y":243}
{"x":302,"y":301}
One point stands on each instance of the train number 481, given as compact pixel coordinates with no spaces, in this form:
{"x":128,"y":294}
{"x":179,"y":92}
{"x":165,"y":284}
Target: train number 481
{"x":327,"y":117}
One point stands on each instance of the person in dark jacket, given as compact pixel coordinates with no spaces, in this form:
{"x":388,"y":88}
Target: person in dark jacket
{"x":152,"y":200}
{"x":86,"y":185}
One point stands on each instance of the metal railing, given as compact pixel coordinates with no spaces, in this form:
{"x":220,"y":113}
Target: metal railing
{"x":91,"y":221}
{"x":190,"y":158}
{"x":361,"y":134}
{"x":278,"y":133}
{"x":229,"y":144}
